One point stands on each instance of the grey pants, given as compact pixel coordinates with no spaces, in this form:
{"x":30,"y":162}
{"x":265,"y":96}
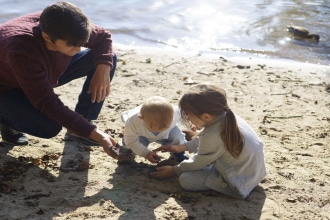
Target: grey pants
{"x":203,"y":180}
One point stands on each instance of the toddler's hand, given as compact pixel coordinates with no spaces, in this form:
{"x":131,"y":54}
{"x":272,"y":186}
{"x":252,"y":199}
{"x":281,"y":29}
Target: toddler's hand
{"x":153,"y":157}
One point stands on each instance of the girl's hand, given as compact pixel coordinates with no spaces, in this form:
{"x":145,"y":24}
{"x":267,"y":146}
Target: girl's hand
{"x":194,"y":127}
{"x":153,"y":157}
{"x":166,"y":148}
{"x":163,"y":172}
{"x":171,"y":148}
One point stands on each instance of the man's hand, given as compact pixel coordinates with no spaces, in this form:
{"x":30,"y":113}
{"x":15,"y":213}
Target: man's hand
{"x":99,"y":87}
{"x":163,"y":172}
{"x":107,"y":142}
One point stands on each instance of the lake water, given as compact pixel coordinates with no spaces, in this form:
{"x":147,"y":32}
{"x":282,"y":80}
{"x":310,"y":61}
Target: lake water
{"x":229,"y":27}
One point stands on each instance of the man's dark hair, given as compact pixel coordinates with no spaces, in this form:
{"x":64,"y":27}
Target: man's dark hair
{"x":65,"y":21}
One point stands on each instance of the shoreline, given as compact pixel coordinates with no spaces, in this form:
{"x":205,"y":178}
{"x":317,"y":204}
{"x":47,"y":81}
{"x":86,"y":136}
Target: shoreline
{"x":322,"y":70}
{"x":287,"y":106}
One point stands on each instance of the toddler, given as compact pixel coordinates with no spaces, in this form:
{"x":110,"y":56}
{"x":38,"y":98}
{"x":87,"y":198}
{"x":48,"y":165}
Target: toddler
{"x":153,"y":121}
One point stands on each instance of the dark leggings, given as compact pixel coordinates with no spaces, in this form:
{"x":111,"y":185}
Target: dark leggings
{"x":17,"y":112}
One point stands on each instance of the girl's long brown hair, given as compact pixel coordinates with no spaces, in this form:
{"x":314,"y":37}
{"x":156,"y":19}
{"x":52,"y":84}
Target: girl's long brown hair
{"x":210,"y":99}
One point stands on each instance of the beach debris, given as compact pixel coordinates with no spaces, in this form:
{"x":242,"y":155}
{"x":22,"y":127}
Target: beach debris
{"x":76,"y":164}
{"x":223,"y":59}
{"x":304,"y":154}
{"x":189,"y":81}
{"x":243,"y":67}
{"x":182,"y":197}
{"x":262,"y":66}
{"x":291,"y":200}
{"x":73,"y":166}
{"x":287,"y":175}
{"x":300,"y":33}
{"x":285,"y":93}
{"x":327,"y":88}
{"x":204,"y":73}
{"x":219,"y":70}
{"x":284,"y":117}
{"x":10,"y":172}
{"x":266,"y":120}
{"x":295,"y":95}
{"x":126,"y":73}
{"x":181,"y":61}
{"x":48,"y":160}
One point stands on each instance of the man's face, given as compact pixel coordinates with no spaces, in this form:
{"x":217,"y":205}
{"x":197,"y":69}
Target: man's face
{"x":62,"y":47}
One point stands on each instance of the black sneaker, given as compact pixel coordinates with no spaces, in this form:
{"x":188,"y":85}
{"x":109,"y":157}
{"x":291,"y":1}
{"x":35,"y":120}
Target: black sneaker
{"x":12,"y":136}
{"x":179,"y":157}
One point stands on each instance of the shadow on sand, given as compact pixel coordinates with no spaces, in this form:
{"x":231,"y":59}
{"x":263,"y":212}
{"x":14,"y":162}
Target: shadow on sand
{"x":127,"y":193}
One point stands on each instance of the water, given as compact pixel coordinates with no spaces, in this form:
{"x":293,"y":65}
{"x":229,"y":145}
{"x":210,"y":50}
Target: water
{"x":238,"y":28}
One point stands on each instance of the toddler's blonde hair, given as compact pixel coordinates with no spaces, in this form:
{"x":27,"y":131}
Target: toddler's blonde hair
{"x":157,"y":112}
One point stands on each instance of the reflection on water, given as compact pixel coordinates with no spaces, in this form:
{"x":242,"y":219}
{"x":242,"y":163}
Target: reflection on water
{"x":248,"y":27}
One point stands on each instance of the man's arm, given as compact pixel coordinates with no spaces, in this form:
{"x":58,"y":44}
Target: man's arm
{"x":100,"y":84}
{"x":100,"y":43}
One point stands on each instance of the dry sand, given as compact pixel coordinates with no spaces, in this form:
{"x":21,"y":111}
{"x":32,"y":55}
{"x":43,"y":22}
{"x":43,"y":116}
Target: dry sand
{"x":287,"y":103}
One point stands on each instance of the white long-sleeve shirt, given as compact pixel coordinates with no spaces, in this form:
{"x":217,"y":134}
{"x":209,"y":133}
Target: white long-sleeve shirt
{"x":135,"y":128}
{"x":242,"y":173}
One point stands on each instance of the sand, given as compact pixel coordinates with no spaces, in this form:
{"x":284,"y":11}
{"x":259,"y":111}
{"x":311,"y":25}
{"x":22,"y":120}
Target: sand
{"x":287,"y":103}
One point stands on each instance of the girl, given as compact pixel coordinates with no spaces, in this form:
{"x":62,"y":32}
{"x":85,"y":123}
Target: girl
{"x":229,"y":155}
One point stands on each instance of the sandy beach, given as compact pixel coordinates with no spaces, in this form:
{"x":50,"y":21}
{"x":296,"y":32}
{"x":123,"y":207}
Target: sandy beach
{"x":287,"y":103}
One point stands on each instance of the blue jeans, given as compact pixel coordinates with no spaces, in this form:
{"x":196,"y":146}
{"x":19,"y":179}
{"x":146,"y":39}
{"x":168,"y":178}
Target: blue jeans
{"x":17,"y":112}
